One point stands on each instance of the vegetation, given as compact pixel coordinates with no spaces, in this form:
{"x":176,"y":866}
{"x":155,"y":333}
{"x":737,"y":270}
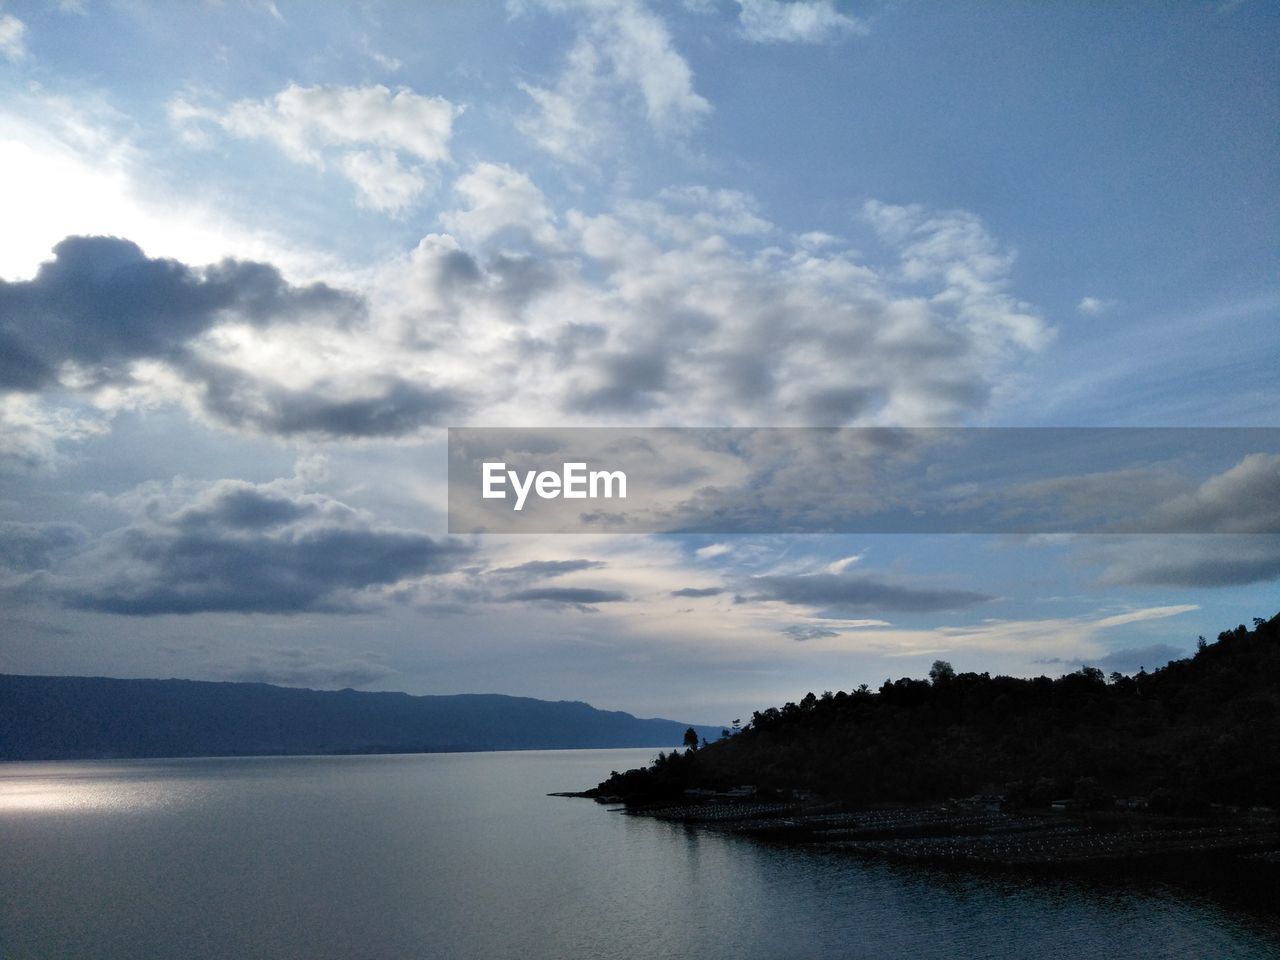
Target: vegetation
{"x":1201,"y":730}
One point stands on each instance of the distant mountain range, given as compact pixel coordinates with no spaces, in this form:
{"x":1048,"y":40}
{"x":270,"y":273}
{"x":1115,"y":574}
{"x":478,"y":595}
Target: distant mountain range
{"x":74,"y":718}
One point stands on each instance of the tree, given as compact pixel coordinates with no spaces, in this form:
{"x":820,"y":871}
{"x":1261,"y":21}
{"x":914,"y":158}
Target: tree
{"x":941,"y":672}
{"x":691,"y":738}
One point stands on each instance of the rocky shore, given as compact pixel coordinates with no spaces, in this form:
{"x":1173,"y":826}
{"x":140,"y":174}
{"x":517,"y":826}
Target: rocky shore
{"x":957,"y":835}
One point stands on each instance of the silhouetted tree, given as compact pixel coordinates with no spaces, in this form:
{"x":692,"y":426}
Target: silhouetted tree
{"x":691,"y":739}
{"x":1205,"y":729}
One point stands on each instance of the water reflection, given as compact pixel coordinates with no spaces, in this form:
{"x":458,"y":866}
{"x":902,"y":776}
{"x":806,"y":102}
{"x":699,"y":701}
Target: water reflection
{"x":463,"y":856}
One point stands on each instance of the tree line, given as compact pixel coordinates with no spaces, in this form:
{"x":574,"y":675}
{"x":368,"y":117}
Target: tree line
{"x":1201,"y":730}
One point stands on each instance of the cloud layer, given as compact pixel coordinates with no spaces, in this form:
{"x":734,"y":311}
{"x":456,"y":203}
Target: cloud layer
{"x":238,"y":547}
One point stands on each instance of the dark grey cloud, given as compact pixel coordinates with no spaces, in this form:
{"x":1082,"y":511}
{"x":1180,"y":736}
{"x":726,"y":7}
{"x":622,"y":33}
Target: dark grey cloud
{"x":1129,"y":660}
{"x":698,"y":592}
{"x":1243,"y":499}
{"x":518,"y":279}
{"x":550,"y":568}
{"x":391,"y":407}
{"x":582,"y":598}
{"x":27,"y":547}
{"x":297,"y":667}
{"x":857,"y":592}
{"x":801,"y":632}
{"x":1187,"y":560}
{"x":101,"y":302}
{"x":838,"y":405}
{"x":574,"y":338}
{"x":631,"y":382}
{"x":239,"y":547}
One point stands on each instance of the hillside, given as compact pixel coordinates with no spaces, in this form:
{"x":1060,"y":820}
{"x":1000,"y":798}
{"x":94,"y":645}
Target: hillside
{"x":1201,"y":730}
{"x":57,"y":718}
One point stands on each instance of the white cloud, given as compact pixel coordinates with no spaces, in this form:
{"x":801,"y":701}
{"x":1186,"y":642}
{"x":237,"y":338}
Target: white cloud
{"x":663,"y":310}
{"x":1093,"y":306}
{"x":13,"y":44}
{"x":31,"y":431}
{"x":500,"y":201}
{"x":623,"y":50}
{"x":72,"y":168}
{"x":667,"y":310}
{"x":795,"y":21}
{"x":1146,"y":613}
{"x":839,"y":566}
{"x":383,"y":183}
{"x":954,"y":247}
{"x":559,"y":125}
{"x":385,"y":143}
{"x":712,"y":550}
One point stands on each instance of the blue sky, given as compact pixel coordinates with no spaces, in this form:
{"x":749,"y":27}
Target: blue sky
{"x":607,"y":213}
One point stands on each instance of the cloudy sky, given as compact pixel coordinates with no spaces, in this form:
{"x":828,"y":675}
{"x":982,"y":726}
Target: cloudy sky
{"x":255,"y":257}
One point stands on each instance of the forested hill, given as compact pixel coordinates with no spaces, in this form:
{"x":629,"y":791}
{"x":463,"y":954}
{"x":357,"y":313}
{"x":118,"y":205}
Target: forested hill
{"x":1200,"y":730}
{"x":56,"y":718}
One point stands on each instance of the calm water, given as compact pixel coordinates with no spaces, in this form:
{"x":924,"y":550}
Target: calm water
{"x":463,"y":856}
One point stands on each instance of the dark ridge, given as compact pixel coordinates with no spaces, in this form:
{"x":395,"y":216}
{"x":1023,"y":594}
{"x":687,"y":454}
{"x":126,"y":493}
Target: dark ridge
{"x":1200,"y":731}
{"x":76,"y":718}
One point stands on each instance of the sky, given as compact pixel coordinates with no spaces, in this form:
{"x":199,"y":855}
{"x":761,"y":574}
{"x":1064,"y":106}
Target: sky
{"x":257,"y":257}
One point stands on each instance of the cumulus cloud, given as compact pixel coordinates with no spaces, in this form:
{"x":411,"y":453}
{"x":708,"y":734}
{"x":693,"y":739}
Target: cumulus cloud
{"x":31,"y":432}
{"x":232,"y":546}
{"x":500,"y":202}
{"x":243,"y":346}
{"x":795,"y":21}
{"x":796,"y":336}
{"x":856,"y":593}
{"x":386,"y":144}
{"x":101,"y":303}
{"x":687,"y":307}
{"x":673,"y":308}
{"x":383,"y":406}
{"x":26,"y":547}
{"x":691,"y":309}
{"x":623,"y":50}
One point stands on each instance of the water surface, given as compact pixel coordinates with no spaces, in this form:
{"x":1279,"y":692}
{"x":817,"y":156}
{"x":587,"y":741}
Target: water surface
{"x":463,"y":856}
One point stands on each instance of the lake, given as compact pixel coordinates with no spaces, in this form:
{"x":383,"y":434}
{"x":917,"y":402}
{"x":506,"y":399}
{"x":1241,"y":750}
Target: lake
{"x":464,"y":855}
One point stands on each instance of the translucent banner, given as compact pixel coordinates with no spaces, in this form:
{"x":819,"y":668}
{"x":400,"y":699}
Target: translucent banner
{"x":864,"y":480}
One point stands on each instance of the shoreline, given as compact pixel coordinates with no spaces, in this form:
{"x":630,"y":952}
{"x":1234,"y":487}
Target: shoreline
{"x":953,"y":835}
